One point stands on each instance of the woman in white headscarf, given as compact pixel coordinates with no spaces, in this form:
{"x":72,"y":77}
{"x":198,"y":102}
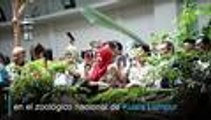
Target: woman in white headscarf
{"x":70,"y":76}
{"x":139,"y":67}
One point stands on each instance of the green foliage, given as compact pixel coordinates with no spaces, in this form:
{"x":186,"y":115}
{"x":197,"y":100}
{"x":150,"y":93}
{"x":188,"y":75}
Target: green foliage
{"x":181,"y":65}
{"x":206,"y":30}
{"x":126,"y":95}
{"x":188,"y":18}
{"x":58,"y":92}
{"x":57,"y":66}
{"x":35,"y":81}
{"x":195,"y":92}
{"x":35,"y":84}
{"x":204,"y":9}
{"x":158,"y":37}
{"x":187,"y":62}
{"x":187,"y":21}
{"x":163,"y":67}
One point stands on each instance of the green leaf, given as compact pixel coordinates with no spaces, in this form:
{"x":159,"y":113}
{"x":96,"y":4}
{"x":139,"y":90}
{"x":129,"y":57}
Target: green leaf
{"x":204,"y":9}
{"x":125,"y":95}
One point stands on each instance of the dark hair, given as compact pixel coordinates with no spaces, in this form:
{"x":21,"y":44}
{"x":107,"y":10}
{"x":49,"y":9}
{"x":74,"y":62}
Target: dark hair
{"x":7,"y":60}
{"x":112,"y":44}
{"x":2,"y":57}
{"x":36,"y":50}
{"x":189,"y":40}
{"x":170,"y":45}
{"x":87,"y":53}
{"x":205,"y":40}
{"x":136,"y":45}
{"x":146,"y":49}
{"x":32,"y":53}
{"x":48,"y":54}
{"x":39,"y":49}
{"x":119,"y":46}
{"x":209,"y":24}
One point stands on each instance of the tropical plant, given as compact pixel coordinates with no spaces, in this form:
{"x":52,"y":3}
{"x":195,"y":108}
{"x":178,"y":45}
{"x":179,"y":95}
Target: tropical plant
{"x":35,"y":81}
{"x":158,"y":37}
{"x":188,"y":18}
{"x":194,"y":93}
{"x":204,"y":9}
{"x":128,"y":95}
{"x":163,"y":68}
{"x":206,"y":30}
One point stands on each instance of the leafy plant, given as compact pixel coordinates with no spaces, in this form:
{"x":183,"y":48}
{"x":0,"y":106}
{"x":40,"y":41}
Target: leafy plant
{"x":159,"y":37}
{"x":206,"y":30}
{"x":126,"y":95}
{"x":164,"y":67}
{"x":35,"y":81}
{"x":57,"y":66}
{"x":204,"y":9}
{"x":187,"y":20}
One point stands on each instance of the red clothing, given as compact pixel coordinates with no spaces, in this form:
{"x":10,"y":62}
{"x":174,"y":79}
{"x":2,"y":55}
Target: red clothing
{"x":104,"y":60}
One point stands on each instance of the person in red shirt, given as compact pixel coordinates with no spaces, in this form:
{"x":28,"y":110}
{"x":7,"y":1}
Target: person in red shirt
{"x":105,"y":56}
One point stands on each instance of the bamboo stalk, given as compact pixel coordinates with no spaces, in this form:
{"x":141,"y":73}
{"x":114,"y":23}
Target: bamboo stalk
{"x":17,"y":8}
{"x":16,"y":23}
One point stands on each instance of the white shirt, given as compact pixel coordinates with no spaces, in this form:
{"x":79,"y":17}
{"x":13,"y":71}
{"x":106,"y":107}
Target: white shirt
{"x":138,"y":73}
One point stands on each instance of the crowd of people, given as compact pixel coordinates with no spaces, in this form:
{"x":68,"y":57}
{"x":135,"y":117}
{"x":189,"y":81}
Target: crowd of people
{"x":104,"y":64}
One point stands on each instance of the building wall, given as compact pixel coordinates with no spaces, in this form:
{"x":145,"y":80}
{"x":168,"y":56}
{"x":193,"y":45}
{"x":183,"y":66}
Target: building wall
{"x":139,"y":18}
{"x":143,"y":18}
{"x":203,"y":19}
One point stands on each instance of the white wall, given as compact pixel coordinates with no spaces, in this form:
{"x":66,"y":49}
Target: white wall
{"x":165,"y":14}
{"x":203,"y":20}
{"x":143,"y":18}
{"x":139,"y":18}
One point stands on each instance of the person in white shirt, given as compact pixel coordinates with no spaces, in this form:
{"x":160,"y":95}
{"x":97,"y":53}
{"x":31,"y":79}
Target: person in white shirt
{"x":69,"y":77}
{"x":139,"y":68}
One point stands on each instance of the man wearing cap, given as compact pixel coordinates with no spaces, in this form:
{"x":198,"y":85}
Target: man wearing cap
{"x":18,"y":61}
